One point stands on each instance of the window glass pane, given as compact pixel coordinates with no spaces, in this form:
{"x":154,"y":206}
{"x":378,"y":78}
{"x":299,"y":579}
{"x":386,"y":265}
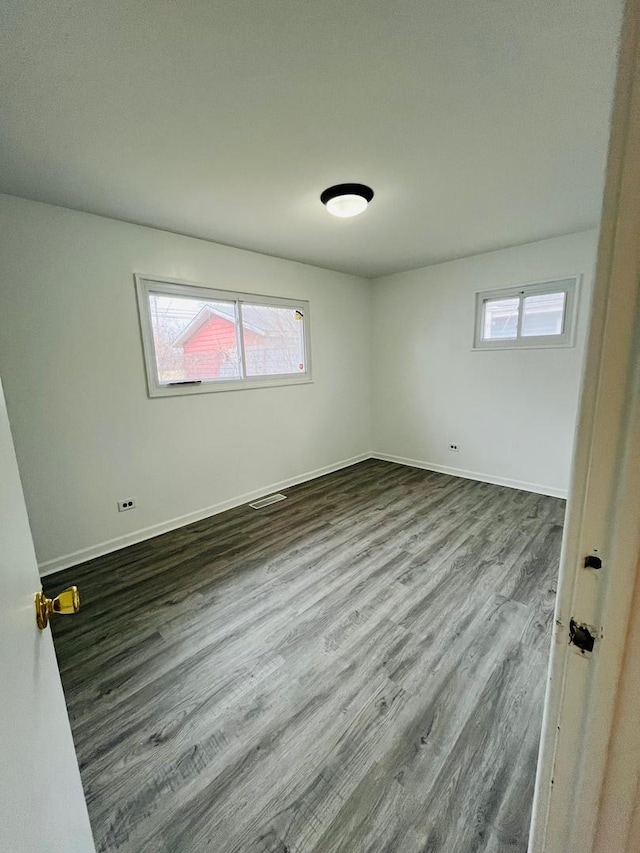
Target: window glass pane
{"x":194,"y":339}
{"x":543,"y":314}
{"x":500,"y":319}
{"x":273,"y":340}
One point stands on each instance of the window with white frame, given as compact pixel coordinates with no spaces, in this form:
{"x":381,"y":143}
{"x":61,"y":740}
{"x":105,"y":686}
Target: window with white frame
{"x":196,"y":339}
{"x":530,"y":315}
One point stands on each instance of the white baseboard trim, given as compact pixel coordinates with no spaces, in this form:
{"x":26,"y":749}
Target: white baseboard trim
{"x":66,"y":561}
{"x":552,"y":491}
{"x":57,"y":564}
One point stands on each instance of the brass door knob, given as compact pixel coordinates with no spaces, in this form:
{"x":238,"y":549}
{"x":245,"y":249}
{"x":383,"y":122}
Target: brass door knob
{"x":68,"y":601}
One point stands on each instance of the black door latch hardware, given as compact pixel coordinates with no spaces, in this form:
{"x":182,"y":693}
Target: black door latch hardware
{"x":581,"y":636}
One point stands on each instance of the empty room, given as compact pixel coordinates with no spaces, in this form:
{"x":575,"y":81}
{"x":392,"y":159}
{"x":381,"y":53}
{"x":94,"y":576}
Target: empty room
{"x":296,"y":311}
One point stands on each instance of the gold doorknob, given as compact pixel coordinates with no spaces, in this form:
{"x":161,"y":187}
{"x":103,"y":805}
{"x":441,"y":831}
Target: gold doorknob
{"x":68,"y":601}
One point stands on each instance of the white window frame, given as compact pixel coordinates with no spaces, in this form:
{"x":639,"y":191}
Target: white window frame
{"x":146,"y":284}
{"x":569,"y":285}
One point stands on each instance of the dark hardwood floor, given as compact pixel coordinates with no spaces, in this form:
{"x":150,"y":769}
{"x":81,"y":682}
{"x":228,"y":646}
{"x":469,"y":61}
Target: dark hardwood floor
{"x":359,"y":668}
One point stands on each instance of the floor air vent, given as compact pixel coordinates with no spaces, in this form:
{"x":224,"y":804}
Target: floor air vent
{"x":270,"y":499}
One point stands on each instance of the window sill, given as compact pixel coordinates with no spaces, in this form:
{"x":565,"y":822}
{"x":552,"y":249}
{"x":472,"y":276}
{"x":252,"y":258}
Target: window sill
{"x":231,"y":385}
{"x":513,"y":346}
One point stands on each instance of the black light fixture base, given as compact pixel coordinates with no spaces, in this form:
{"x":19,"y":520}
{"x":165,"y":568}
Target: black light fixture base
{"x":346,"y":189}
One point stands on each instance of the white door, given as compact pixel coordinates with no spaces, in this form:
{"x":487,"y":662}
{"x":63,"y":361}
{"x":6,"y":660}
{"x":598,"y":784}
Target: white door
{"x":42,"y":805}
{"x":576,"y":809}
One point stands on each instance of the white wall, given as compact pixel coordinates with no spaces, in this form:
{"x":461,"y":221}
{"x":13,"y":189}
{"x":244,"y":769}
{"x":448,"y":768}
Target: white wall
{"x":87,"y":434}
{"x":513,"y":411}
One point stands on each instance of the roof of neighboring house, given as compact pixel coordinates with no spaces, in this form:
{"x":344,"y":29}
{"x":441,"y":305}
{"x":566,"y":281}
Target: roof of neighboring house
{"x":250,"y":314}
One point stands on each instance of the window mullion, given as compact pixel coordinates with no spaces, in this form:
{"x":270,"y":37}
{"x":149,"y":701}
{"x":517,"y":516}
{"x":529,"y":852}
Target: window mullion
{"x":483,"y":320}
{"x":240,"y":339}
{"x":564,"y":312}
{"x":520,"y":313}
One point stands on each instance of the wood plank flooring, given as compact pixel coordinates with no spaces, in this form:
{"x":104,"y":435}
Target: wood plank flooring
{"x":357,"y":669}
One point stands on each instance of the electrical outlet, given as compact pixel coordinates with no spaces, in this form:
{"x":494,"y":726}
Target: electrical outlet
{"x":455,"y":448}
{"x":123,"y":506}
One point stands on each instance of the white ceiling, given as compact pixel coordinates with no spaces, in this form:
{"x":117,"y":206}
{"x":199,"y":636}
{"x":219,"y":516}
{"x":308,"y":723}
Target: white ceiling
{"x":478,"y":123}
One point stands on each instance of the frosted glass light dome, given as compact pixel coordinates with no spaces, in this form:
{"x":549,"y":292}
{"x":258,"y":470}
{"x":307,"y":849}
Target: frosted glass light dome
{"x":346,"y":200}
{"x":347,"y":205}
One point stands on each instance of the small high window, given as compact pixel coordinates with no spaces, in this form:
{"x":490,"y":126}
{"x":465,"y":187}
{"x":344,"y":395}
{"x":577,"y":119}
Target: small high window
{"x":531,"y":315}
{"x":197,"y":339}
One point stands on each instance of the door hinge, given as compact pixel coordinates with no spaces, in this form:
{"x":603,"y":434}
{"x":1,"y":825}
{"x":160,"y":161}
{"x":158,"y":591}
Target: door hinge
{"x":581,"y":636}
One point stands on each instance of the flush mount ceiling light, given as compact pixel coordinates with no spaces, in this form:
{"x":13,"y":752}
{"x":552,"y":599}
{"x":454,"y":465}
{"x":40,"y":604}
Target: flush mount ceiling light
{"x":346,"y":200}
